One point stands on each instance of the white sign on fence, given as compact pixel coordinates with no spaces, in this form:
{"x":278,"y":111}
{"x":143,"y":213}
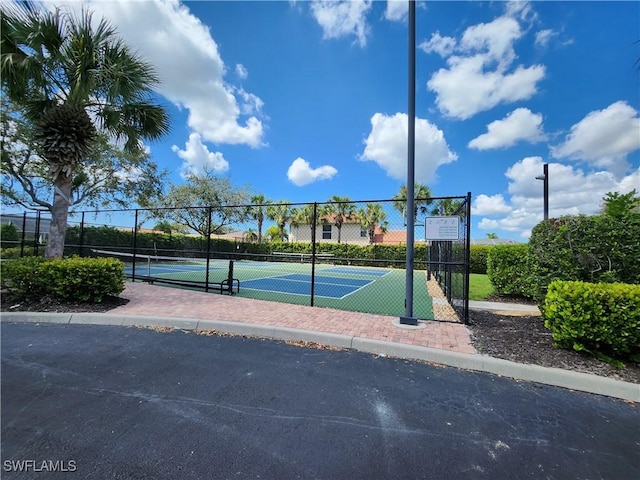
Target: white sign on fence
{"x":442,"y":228}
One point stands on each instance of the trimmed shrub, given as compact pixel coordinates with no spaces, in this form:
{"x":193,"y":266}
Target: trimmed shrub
{"x":509,"y":269}
{"x":13,"y":252}
{"x":478,"y":259}
{"x":601,"y":319}
{"x":74,"y":278}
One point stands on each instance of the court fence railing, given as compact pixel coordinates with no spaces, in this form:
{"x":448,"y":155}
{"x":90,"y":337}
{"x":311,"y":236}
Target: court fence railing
{"x":347,"y":255}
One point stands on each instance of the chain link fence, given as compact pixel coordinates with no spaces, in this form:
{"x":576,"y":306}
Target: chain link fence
{"x":349,"y":255}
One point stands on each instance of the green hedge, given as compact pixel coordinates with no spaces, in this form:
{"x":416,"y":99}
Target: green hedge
{"x":478,"y":258}
{"x":590,"y":249}
{"x":509,"y":270}
{"x":602,"y":319}
{"x":75,"y":278}
{"x":9,"y":236}
{"x":109,"y":238}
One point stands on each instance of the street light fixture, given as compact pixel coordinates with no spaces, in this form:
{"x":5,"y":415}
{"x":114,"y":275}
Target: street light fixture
{"x":545,"y":178}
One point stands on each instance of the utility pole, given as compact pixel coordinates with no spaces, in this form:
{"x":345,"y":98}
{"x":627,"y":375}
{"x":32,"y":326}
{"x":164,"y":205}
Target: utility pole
{"x":408,"y":318}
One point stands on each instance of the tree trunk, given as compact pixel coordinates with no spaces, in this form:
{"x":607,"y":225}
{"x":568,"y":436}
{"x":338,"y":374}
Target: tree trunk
{"x":59,"y":214}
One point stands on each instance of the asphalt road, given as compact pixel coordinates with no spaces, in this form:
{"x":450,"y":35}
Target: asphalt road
{"x":128,"y":403}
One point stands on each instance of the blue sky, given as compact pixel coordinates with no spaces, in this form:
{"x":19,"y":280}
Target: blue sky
{"x":305,"y":100}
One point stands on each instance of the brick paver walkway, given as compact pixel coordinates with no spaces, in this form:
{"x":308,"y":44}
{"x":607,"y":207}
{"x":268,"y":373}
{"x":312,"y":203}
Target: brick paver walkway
{"x":158,"y":301}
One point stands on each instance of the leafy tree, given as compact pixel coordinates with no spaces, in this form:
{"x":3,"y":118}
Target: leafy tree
{"x":108,"y":176}
{"x":304,"y":216}
{"x":74,"y":78}
{"x":9,"y":236}
{"x":274,"y":234}
{"x":281,"y":214}
{"x":256,"y":211}
{"x":338,"y":210}
{"x":447,"y":206}
{"x":188,"y":204}
{"x":371,"y":217}
{"x":422,"y":196}
{"x":169,"y":227}
{"x":619,"y":206}
{"x":492,"y":236}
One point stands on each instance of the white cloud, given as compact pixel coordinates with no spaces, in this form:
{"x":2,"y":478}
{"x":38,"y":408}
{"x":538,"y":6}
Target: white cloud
{"x":198,"y":159}
{"x":521,"y":124}
{"x":300,"y":172}
{"x":342,"y":18}
{"x":188,"y":62}
{"x":397,"y":10}
{"x":443,"y":46}
{"x":241,"y":71}
{"x":572,"y":191}
{"x":489,"y":205}
{"x":250,"y":104}
{"x":603,"y":138}
{"x":481,"y":74}
{"x":466,"y":89}
{"x":520,"y":9}
{"x":543,"y":37}
{"x":494,"y":39}
{"x":387,"y":146}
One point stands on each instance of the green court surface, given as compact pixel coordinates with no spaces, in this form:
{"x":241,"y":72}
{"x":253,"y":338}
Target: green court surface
{"x":369,"y":289}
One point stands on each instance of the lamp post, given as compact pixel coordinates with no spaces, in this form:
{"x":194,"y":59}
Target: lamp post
{"x":408,"y":317}
{"x":545,"y":179}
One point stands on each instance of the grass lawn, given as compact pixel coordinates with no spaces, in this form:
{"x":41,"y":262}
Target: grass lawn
{"x":479,"y":287}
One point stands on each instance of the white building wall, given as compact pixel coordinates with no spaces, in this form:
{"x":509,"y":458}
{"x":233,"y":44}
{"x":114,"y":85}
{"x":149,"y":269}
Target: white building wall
{"x":351,"y":234}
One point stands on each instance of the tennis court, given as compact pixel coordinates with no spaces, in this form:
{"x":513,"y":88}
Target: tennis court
{"x":300,"y":284}
{"x":291,"y":280}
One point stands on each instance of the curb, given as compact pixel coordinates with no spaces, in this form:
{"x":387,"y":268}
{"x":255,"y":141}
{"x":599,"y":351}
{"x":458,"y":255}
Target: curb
{"x":556,"y":377}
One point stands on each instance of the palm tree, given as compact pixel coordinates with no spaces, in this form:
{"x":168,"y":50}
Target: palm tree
{"x":250,"y":235}
{"x":371,"y":217}
{"x":73,"y":79}
{"x":448,"y":206}
{"x":279,"y":212}
{"x":338,"y":210}
{"x":256,"y":211}
{"x":422,"y":195}
{"x":304,"y":216}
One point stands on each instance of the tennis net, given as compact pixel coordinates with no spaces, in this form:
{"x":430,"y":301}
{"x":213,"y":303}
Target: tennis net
{"x":154,"y":265}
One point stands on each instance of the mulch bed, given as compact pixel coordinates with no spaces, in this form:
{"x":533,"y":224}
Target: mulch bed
{"x":522,"y":339}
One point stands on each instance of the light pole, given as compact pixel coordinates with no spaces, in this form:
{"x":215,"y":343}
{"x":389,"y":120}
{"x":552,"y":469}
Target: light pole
{"x":545,"y":179}
{"x":408,"y":318}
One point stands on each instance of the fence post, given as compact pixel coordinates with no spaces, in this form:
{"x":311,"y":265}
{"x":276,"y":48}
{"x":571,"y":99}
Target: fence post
{"x":313,"y":251}
{"x":24,"y":228}
{"x":206,"y":279}
{"x":36,"y":235}
{"x":467,"y":259}
{"x":135,"y":246}
{"x":81,"y":239}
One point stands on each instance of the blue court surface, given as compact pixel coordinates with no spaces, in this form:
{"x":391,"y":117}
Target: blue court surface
{"x":300,"y":284}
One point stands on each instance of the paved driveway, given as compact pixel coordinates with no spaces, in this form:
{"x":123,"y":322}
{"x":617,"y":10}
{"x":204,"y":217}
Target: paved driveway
{"x":125,"y":403}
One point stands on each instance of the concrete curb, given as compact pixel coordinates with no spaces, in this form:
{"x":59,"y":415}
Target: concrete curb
{"x":504,"y":307}
{"x":482,"y":363}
